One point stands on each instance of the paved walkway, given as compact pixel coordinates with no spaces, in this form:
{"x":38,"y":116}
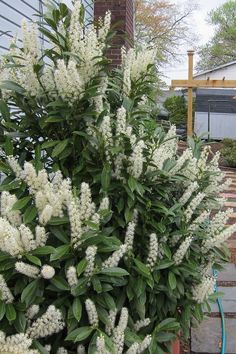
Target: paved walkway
{"x":230,"y":194}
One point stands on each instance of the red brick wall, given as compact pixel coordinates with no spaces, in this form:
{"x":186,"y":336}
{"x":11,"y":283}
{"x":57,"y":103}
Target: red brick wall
{"x":123,"y":19}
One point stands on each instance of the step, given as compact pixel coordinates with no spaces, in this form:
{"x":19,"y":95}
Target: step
{"x":206,"y":338}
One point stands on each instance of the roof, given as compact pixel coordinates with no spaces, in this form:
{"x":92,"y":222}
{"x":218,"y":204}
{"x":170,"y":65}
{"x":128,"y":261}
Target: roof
{"x":215,"y":69}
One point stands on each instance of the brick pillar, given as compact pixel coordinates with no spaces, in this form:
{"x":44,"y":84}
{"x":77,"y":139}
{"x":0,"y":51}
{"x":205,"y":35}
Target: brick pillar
{"x":122,"y":15}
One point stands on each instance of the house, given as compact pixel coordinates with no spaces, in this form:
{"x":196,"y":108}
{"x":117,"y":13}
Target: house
{"x":215,"y":115}
{"x":12,"y":13}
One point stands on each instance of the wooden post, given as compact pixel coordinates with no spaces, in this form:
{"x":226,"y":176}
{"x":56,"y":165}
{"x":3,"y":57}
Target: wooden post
{"x":190,"y":94}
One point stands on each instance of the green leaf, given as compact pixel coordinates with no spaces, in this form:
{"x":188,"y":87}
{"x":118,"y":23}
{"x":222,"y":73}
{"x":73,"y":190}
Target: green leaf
{"x":41,"y":348}
{"x":97,"y":285}
{"x":29,"y":293}
{"x":12,"y":86}
{"x":114,"y":272}
{"x":79,"y":334}
{"x":30,"y":214}
{"x":77,"y":308}
{"x":59,"y":252}
{"x":5,"y":112}
{"x":169,"y":324}
{"x":164,"y":264}
{"x":59,"y":221}
{"x":142,"y":268}
{"x":21,"y":203}
{"x":172,"y":280}
{"x":132,"y":183}
{"x":33,"y":259}
{"x":60,"y":283}
{"x":59,"y":148}
{"x":165,"y":337}
{"x":8,"y":146}
{"x":20,"y":322}
{"x":2,"y":309}
{"x":81,"y":267}
{"x":54,"y":120}
{"x":41,"y":251}
{"x":106,"y":177}
{"x":50,"y":143}
{"x":109,"y":301}
{"x":10,"y":312}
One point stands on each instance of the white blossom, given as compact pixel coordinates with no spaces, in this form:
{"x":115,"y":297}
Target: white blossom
{"x":32,"y":311}
{"x":46,"y":214}
{"x":193,"y":205}
{"x":199,"y":220}
{"x":5,"y":292}
{"x":90,"y":252}
{"x":106,"y":131}
{"x":121,"y":121}
{"x":204,"y":289}
{"x":40,"y":236}
{"x":86,"y":205}
{"x":71,"y":276}
{"x":27,"y":238}
{"x":47,"y":272}
{"x":141,"y":323}
{"x":7,"y":201}
{"x":153,"y":251}
{"x":27,"y":269}
{"x":16,"y":344}
{"x":115,"y":258}
{"x":136,"y":160}
{"x":49,"y":323}
{"x":187,"y":155}
{"x":75,"y":223}
{"x":92,"y":313}
{"x":62,"y":350}
{"x":101,"y":346}
{"x":181,"y":252}
{"x":104,"y":205}
{"x":188,"y":193}
{"x":144,"y":344}
{"x":218,"y":239}
{"x":104,"y":27}
{"x":81,"y":349}
{"x":111,"y":322}
{"x":129,"y":236}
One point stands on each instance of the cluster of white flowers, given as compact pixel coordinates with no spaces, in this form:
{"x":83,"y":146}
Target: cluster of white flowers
{"x":75,"y":223}
{"x":165,"y":151}
{"x":16,"y":344}
{"x":17,"y":240}
{"x":47,"y":271}
{"x":91,"y":252}
{"x":27,"y":269}
{"x":7,"y":201}
{"x":141,"y":323}
{"x":137,"y":160}
{"x":49,"y":323}
{"x":50,"y":198}
{"x":106,"y":131}
{"x":68,"y":81}
{"x":32,"y":311}
{"x":153,"y":251}
{"x":111,"y":322}
{"x":104,"y":205}
{"x":188,"y":193}
{"x":138,"y":348}
{"x":135,"y":64}
{"x":218,"y":239}
{"x":204,"y":289}
{"x":193,"y":205}
{"x":129,"y":236}
{"x":199,"y":221}
{"x":186,"y":156}
{"x":121,"y":122}
{"x":119,"y":330}
{"x":92,"y":313}
{"x":181,"y":252}
{"x":115,"y":258}
{"x":86,"y":205}
{"x":101,"y":346}
{"x":99,"y":99}
{"x":71,"y":276}
{"x":5,"y":292}
{"x":218,"y":222}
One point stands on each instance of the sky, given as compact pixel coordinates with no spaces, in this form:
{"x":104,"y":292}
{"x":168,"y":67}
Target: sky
{"x":203,"y":30}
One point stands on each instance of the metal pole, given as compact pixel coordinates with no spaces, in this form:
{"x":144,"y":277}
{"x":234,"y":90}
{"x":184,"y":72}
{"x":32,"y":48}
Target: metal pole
{"x":208,"y":122}
{"x":190,"y":94}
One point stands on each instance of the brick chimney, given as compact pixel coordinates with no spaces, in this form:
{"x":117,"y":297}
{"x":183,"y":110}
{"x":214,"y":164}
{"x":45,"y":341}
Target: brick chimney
{"x":122,"y":14}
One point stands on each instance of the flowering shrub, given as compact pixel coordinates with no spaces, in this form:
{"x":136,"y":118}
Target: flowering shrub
{"x":107,"y":239}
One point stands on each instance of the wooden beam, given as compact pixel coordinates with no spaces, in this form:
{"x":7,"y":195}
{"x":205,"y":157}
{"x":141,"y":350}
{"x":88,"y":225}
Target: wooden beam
{"x":203,"y":83}
{"x":190,"y":94}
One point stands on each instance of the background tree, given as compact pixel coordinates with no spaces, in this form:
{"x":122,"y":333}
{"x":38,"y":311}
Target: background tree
{"x":177,"y":108}
{"x":221,"y":48}
{"x":164,"y":25}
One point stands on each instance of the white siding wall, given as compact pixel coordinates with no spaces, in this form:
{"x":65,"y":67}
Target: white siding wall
{"x":228,"y":72}
{"x":222,"y":125}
